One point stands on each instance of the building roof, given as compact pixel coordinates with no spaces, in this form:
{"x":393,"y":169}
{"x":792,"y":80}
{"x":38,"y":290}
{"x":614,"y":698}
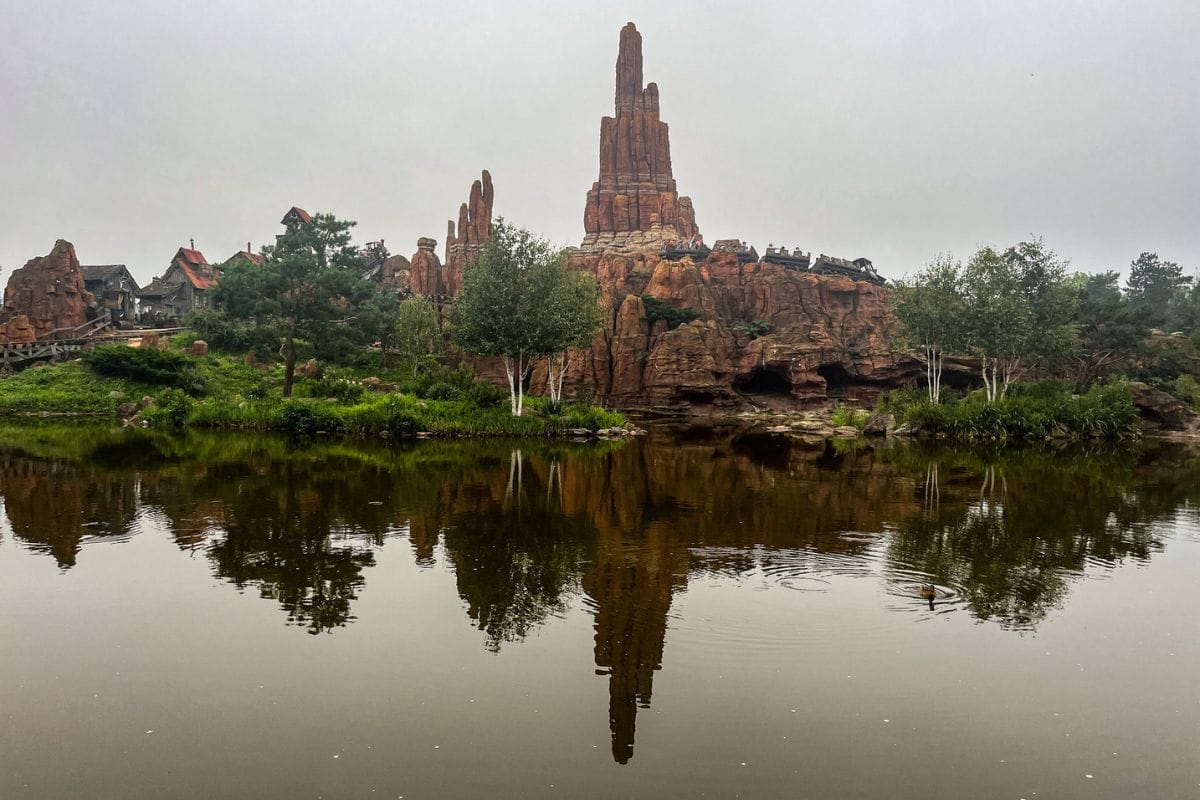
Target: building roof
{"x":254,"y":258}
{"x":295,"y":213}
{"x":194,"y":257}
{"x":102,"y":272}
{"x":159,"y":288}
{"x":196,"y":268}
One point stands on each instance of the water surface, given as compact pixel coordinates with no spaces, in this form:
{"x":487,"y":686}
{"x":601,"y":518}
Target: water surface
{"x":694,"y":614}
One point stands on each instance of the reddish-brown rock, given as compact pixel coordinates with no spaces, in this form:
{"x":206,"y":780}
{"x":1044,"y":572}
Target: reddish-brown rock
{"x":636,"y":190}
{"x":829,"y":336}
{"x":48,"y":292}
{"x":425,"y":270}
{"x":464,"y":242}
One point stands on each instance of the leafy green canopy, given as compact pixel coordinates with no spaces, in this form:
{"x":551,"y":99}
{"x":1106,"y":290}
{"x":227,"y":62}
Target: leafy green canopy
{"x":522,"y":300}
{"x":310,"y":286}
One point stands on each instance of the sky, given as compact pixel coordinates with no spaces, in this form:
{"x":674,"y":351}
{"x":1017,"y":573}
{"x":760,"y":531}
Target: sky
{"x":891,"y":130}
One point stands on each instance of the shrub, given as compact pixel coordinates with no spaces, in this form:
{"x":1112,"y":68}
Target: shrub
{"x":485,"y":395}
{"x":145,"y":365}
{"x":1031,"y":412}
{"x":173,"y":410}
{"x":304,"y":419}
{"x":338,"y":389}
{"x":845,"y":416}
{"x":755,"y":328}
{"x":662,"y":310}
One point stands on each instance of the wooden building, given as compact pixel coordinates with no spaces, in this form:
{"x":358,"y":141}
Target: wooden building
{"x":115,"y":289}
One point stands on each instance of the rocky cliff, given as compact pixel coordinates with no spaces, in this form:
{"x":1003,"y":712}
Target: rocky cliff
{"x":46,"y":294}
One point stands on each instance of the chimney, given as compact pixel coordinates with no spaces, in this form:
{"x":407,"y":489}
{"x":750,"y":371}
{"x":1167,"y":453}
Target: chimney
{"x":192,"y":242}
{"x":248,"y":250}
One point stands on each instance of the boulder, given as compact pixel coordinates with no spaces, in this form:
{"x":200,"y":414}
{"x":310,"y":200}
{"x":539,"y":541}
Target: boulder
{"x":1161,"y":410}
{"x":199,"y":348}
{"x":310,"y":369}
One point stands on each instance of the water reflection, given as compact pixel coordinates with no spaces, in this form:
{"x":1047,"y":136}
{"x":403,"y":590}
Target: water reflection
{"x":528,"y":529}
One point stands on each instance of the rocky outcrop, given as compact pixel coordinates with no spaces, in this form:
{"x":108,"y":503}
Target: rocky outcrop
{"x":464,"y":242}
{"x":766,"y":335}
{"x":1161,"y":410}
{"x":45,"y":295}
{"x":425,"y":270}
{"x":636,"y":190}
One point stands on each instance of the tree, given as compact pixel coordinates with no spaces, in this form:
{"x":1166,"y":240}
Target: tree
{"x":514,"y":305}
{"x":1018,"y":311}
{"x":1104,"y":319}
{"x":929,"y":309}
{"x":416,"y":332}
{"x":572,"y":319}
{"x":310,"y":286}
{"x":1154,"y":287}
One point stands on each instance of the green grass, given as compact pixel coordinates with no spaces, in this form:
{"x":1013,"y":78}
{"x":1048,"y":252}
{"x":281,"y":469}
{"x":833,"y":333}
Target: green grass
{"x":222,"y":392}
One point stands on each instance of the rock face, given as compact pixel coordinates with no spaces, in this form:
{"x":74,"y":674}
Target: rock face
{"x":425,"y":274}
{"x":46,"y":294}
{"x":474,"y":225}
{"x":636,"y":190}
{"x":425,"y":270}
{"x":827,"y":336}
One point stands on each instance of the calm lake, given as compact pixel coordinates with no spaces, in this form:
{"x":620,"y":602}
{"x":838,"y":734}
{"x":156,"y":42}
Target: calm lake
{"x":695,"y":613}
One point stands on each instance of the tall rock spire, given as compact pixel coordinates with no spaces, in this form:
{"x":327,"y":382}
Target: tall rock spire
{"x":636,"y":190}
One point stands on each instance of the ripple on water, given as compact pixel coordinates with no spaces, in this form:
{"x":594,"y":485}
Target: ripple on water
{"x":908,"y":592}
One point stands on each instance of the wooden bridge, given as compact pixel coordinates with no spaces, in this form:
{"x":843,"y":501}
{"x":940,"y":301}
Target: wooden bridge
{"x":62,"y":342}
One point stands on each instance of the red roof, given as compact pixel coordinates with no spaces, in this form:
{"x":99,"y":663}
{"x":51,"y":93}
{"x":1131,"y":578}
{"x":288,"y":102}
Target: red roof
{"x":194,"y":257}
{"x":254,"y":258}
{"x":201,"y":277}
{"x":297,"y":213}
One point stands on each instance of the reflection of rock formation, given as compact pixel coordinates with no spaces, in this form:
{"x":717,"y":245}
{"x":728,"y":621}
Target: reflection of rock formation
{"x":631,"y":591}
{"x":636,"y":189}
{"x":54,"y":506}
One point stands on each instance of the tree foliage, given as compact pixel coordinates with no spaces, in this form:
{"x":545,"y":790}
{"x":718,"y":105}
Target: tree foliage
{"x":928,"y":308}
{"x":1154,"y":286}
{"x":521,"y":300}
{"x":416,"y":334}
{"x":310,"y":286}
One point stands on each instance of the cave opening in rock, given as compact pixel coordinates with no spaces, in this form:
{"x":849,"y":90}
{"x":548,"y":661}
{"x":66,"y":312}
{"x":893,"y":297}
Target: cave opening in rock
{"x":837,"y":380}
{"x":765,"y":382}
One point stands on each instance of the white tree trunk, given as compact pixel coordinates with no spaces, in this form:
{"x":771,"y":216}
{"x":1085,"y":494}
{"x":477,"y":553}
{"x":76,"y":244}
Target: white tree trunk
{"x":512,"y":389}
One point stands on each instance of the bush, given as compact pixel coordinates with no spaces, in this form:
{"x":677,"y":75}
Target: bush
{"x":485,"y":395}
{"x":304,"y":419}
{"x":145,"y":365}
{"x":173,"y":410}
{"x":1030,"y":412}
{"x":845,"y":416}
{"x":337,"y":389}
{"x":755,"y":328}
{"x":662,"y":310}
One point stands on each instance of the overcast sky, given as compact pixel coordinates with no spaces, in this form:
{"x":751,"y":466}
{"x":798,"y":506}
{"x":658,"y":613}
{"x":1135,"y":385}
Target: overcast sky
{"x":894,"y":130}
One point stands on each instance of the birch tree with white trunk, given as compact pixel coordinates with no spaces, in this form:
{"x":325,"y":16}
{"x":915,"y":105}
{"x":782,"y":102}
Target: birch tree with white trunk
{"x":929,"y":308}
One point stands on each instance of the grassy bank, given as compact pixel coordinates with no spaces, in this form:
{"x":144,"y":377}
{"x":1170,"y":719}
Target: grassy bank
{"x":218,"y":391}
{"x":1044,"y":410}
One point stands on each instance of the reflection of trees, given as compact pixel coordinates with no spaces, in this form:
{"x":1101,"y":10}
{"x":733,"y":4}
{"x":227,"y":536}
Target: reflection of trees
{"x":1011,"y":531}
{"x":516,"y":557}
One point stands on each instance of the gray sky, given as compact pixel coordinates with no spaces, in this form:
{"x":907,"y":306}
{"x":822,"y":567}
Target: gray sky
{"x":893,"y":130}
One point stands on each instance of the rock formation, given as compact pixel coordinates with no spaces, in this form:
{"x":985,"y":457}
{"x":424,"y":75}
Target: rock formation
{"x":45,"y":295}
{"x":425,"y":270}
{"x":474,"y":226}
{"x":636,"y":191}
{"x":766,"y":335}
{"x":426,"y":275}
